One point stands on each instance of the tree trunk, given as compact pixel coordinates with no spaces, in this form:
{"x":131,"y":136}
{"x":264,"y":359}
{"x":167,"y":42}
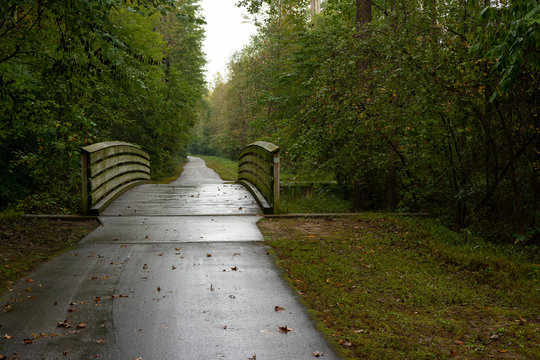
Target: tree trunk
{"x":363,"y":17}
{"x":363,"y":12}
{"x":390,"y":194}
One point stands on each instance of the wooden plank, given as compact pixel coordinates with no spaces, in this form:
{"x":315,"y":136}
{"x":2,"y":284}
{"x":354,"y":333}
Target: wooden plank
{"x":255,"y":158}
{"x":265,"y":155}
{"x":275,"y":200}
{"x":85,"y":158}
{"x":265,"y":188}
{"x":261,"y":200}
{"x":101,"y":166}
{"x":250,"y":174}
{"x":117,"y":150}
{"x":103,"y":203}
{"x":256,"y":169}
{"x":106,"y":144}
{"x":111,"y":185}
{"x":110,"y":174}
{"x":269,"y":147}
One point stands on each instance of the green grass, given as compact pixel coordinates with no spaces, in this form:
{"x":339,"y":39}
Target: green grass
{"x":227,"y":169}
{"x":388,"y":287}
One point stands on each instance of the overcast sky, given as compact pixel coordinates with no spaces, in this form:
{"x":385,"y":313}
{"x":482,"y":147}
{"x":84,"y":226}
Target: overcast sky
{"x":226,"y":32}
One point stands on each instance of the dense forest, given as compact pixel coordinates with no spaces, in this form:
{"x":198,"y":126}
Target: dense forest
{"x":78,"y":72}
{"x":411,"y":105}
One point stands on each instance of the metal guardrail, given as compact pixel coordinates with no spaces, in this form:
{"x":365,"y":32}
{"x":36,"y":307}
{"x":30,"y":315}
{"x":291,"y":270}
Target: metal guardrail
{"x":109,"y":169}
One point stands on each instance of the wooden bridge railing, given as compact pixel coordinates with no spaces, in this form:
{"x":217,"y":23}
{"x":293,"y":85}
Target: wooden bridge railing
{"x":258,"y":170}
{"x":108,"y":169}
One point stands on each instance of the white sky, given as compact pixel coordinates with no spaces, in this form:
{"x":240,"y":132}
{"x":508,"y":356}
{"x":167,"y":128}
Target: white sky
{"x":226,"y":32}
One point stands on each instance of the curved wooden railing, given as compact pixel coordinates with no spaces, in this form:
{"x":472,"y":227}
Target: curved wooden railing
{"x":108,"y":169}
{"x":258,"y":170}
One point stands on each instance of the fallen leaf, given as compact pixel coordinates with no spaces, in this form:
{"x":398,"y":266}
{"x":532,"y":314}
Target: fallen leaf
{"x":114,"y":296}
{"x":160,"y":254}
{"x":459,"y":342}
{"x":27,"y":341}
{"x":503,"y":351}
{"x":71,"y":310}
{"x":28,"y":289}
{"x":97,"y":299}
{"x":278,"y":308}
{"x":284,"y":329}
{"x":145,"y":266}
{"x":29,"y":280}
{"x":236,"y":254}
{"x":359,"y":331}
{"x":208,"y":255}
{"x":254,"y":357}
{"x":453,"y":353}
{"x":99,"y":341}
{"x":317,"y":353}
{"x":103,"y":277}
{"x":177,"y":249}
{"x":6,"y":336}
{"x":81,"y":325}
{"x":146,"y":236}
{"x":123,"y":246}
{"x":63,"y":324}
{"x":65,"y":353}
{"x":234,"y":268}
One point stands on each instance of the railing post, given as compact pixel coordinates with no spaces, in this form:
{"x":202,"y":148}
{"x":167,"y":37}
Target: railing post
{"x":276,"y":182}
{"x":85,"y":159}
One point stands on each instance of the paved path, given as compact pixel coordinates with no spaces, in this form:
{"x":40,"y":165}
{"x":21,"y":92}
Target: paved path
{"x":156,"y":282}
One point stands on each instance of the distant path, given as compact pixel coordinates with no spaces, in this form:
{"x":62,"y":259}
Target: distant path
{"x":156,"y":282}
{"x":196,"y":172}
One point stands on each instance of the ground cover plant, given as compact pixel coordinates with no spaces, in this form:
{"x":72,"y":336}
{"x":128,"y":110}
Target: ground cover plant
{"x":391,"y":287}
{"x":24,"y":243}
{"x":227,"y":169}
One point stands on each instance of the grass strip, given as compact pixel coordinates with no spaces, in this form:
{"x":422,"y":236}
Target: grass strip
{"x":227,"y":169}
{"x":390,"y":287}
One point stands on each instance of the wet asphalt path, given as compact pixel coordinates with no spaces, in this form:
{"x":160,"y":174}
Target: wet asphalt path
{"x":168,"y":276}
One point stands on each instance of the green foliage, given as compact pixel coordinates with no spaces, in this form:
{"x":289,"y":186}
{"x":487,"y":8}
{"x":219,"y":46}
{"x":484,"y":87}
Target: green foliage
{"x":123,"y":71}
{"x":430,"y":107}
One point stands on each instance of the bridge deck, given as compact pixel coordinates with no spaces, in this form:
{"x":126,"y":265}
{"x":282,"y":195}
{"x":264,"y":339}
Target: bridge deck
{"x":155,"y":282}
